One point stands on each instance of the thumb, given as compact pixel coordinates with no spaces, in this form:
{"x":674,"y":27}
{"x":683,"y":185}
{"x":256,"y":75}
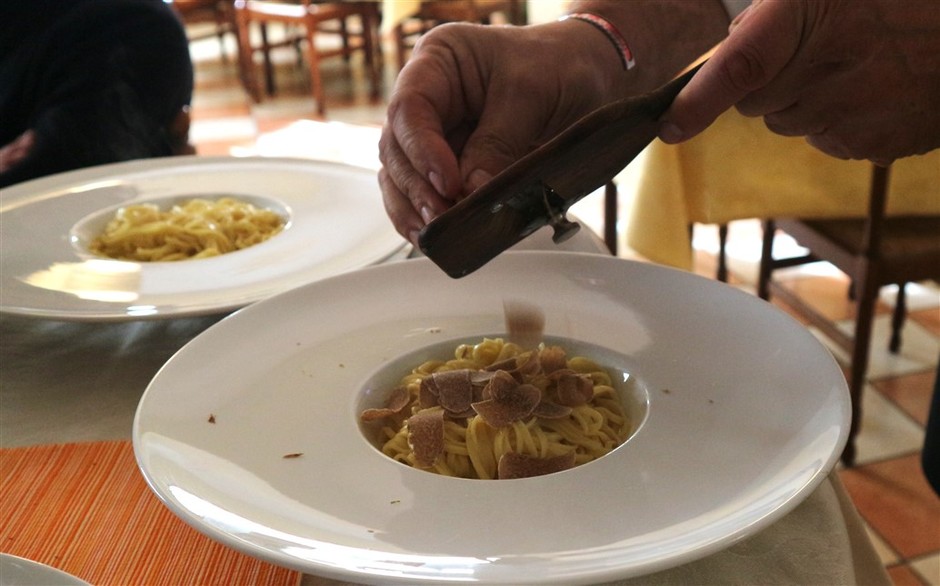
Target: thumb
{"x":762,"y":41}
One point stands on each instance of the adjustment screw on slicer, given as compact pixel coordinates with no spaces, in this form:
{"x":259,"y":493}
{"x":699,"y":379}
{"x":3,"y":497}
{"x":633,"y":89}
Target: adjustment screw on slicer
{"x":563,"y":227}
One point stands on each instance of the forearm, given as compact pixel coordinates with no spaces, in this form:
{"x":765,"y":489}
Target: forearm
{"x":663,"y":35}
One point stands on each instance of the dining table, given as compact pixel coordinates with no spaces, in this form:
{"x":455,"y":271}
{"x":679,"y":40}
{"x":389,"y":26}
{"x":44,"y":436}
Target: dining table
{"x":738,"y":170}
{"x":72,"y":496}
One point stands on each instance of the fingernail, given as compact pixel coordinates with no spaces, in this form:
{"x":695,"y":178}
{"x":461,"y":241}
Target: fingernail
{"x":670,"y":133}
{"x":413,"y":237}
{"x":477,"y":179}
{"x":437,"y":181}
{"x":427,"y":215}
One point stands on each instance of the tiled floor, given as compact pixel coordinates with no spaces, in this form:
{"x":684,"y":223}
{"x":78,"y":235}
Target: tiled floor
{"x":887,"y":485}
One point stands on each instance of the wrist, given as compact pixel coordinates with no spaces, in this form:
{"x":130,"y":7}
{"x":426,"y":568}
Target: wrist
{"x":664,"y":36}
{"x":609,"y":30}
{"x":589,"y":54}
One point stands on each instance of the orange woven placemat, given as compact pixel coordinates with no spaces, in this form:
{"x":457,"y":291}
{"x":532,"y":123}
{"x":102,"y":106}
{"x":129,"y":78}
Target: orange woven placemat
{"x":86,"y":509}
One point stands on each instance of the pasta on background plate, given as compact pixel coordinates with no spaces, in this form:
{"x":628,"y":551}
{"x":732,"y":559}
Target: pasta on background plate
{"x":196,"y":228}
{"x":498,"y":411}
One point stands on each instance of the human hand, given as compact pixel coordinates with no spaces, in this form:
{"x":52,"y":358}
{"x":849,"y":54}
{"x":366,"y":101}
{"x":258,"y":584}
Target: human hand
{"x":858,"y":79}
{"x":473,"y":99}
{"x":11,"y":154}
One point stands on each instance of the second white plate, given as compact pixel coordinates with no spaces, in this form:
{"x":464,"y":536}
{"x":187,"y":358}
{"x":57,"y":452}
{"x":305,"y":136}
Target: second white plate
{"x":336,"y":223}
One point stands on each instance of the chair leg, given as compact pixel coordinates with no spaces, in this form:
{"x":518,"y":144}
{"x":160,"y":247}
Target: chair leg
{"x":372,"y":46}
{"x":766,"y":260}
{"x":399,"y":34}
{"x":313,"y":63}
{"x":268,"y":65}
{"x":897,"y":320}
{"x":610,"y":217}
{"x":867,"y":296}
{"x":344,"y":35}
{"x":222,"y":52}
{"x":516,"y":12}
{"x":246,"y":61}
{"x":722,"y":274}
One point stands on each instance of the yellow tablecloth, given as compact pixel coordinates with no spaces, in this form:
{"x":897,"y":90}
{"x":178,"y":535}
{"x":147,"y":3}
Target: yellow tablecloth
{"x":737,"y":169}
{"x":395,"y":11}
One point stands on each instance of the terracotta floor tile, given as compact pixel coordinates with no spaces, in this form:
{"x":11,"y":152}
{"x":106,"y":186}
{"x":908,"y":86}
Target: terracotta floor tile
{"x":919,"y":349}
{"x":798,"y":316}
{"x":904,"y":576}
{"x":828,"y":295}
{"x":705,"y":264}
{"x":927,"y":568}
{"x":229,"y":110}
{"x":273,"y":124}
{"x":888,"y":556}
{"x":886,"y":431}
{"x":895,"y":499}
{"x":217,"y":80}
{"x":912,"y":393}
{"x":220,"y":148}
{"x":929,"y":318}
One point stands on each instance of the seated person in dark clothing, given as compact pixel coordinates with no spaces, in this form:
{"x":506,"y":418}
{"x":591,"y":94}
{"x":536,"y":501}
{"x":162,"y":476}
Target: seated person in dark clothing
{"x":89,"y":82}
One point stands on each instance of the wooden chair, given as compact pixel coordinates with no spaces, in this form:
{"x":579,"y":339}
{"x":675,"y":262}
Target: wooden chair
{"x":873,"y":251}
{"x":215,"y":12}
{"x":611,"y":238}
{"x":436,"y":12}
{"x":313,"y":19}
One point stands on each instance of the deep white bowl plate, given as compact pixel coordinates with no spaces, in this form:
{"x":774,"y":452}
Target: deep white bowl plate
{"x":336,"y":222}
{"x":746,"y":415}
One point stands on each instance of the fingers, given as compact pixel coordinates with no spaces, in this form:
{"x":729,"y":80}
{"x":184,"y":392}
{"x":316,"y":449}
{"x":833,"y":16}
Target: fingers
{"x":830,"y":145}
{"x":399,"y":208}
{"x":798,"y":120}
{"x":761,"y":43}
{"x":452,"y":124}
{"x":420,"y":176}
{"x":14,"y":152}
{"x":410,"y":196}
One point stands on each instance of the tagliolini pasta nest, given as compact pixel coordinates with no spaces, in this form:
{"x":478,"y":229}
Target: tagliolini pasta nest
{"x":197,"y":228}
{"x":495,"y":411}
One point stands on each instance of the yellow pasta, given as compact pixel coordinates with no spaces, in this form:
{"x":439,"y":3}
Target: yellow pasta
{"x":197,"y":228}
{"x":472,"y":448}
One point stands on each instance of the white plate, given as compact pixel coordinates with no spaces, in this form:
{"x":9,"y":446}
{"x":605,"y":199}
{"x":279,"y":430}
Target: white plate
{"x":336,"y":223}
{"x":17,"y":571}
{"x":747,"y":413}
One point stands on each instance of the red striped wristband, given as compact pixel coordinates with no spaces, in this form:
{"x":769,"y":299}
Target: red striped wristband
{"x":611,"y":32}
